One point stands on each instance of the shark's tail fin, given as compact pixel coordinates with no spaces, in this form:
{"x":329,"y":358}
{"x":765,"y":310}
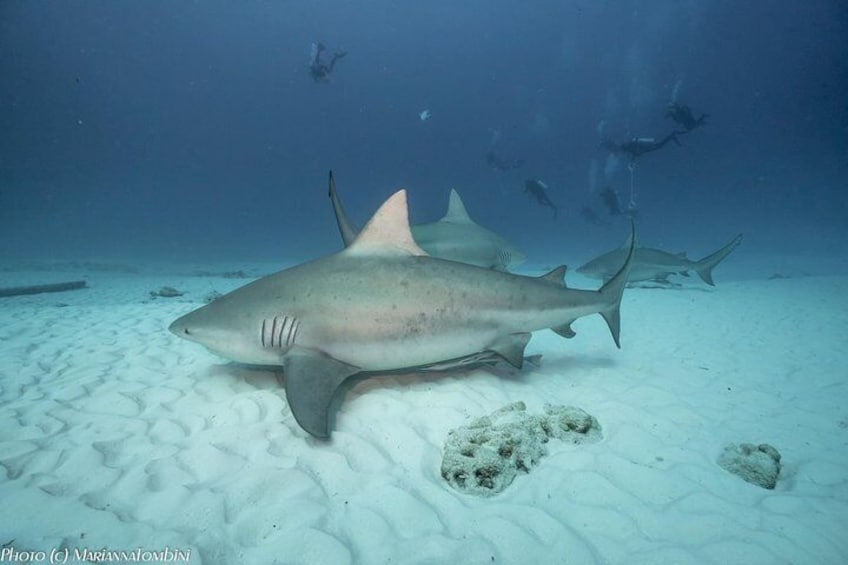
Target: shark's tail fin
{"x":705,"y":266}
{"x":613,"y":290}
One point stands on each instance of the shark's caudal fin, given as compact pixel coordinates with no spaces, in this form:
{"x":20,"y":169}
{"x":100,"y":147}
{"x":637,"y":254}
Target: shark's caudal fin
{"x":347,"y":231}
{"x":705,"y":266}
{"x":613,"y":290}
{"x":611,"y":294}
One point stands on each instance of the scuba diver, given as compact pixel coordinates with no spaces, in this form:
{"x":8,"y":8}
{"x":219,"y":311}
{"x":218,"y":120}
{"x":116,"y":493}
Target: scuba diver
{"x":682,"y":115}
{"x":537,"y":189}
{"x":321,"y":71}
{"x":612,"y":202}
{"x":638,"y":146}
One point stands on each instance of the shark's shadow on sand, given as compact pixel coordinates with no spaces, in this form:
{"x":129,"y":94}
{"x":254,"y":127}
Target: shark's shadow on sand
{"x":272,"y":378}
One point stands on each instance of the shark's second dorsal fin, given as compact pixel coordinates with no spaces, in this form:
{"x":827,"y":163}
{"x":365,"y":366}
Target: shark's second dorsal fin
{"x":387,"y":232}
{"x":456,"y":210}
{"x":556,"y":276}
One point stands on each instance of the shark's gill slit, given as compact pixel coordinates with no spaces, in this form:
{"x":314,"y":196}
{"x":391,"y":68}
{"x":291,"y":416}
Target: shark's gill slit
{"x":292,"y":332}
{"x":280,"y":333}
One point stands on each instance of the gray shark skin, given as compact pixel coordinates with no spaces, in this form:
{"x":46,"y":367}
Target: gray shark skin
{"x":384,"y":305}
{"x":455,"y":237}
{"x":656,"y":265}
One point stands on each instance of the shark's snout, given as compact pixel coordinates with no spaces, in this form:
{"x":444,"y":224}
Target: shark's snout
{"x":180,"y":329}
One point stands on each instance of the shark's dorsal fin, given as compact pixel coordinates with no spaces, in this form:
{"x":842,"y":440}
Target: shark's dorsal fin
{"x":387,"y":232}
{"x":456,"y":210}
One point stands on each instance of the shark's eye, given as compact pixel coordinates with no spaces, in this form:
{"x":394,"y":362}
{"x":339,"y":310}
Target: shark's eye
{"x":185,"y":331}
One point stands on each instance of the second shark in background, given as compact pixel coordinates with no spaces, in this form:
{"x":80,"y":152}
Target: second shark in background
{"x":455,"y":237}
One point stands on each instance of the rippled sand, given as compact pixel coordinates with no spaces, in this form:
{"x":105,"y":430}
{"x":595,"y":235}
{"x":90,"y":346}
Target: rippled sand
{"x":117,"y":434}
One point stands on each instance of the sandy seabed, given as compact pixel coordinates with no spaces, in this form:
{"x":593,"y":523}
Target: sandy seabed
{"x":116,"y":434}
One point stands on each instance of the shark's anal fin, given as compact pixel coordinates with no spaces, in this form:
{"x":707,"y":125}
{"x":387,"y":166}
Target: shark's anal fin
{"x":511,"y":347}
{"x":311,"y":380}
{"x":565,"y":330}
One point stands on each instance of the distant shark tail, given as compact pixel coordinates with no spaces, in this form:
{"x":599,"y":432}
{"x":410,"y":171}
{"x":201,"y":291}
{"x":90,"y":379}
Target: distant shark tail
{"x":613,"y":290}
{"x":705,"y":266}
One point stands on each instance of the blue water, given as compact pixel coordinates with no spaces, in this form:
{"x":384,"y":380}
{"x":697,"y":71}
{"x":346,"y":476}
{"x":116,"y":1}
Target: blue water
{"x":177,"y":130}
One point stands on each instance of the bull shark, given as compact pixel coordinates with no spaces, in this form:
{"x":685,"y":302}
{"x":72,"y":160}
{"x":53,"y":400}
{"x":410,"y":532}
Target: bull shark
{"x":455,"y":237}
{"x":382,"y":305}
{"x":656,"y":265}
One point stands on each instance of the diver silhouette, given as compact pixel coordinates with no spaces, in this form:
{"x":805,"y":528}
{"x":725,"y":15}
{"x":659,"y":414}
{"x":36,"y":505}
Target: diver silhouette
{"x":612,"y":202}
{"x":683,"y":116}
{"x":319,"y":70}
{"x":638,"y":146}
{"x":538,"y":190}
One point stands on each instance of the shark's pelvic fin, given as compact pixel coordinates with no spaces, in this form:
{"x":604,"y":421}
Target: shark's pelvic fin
{"x":456,"y":210}
{"x":311,"y":380}
{"x":387,"y":232}
{"x":511,"y":347}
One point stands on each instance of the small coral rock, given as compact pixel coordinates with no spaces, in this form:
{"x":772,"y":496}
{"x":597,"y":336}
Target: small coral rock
{"x":757,"y":464}
{"x":569,"y":423}
{"x":484,"y":457}
{"x":166,"y":292}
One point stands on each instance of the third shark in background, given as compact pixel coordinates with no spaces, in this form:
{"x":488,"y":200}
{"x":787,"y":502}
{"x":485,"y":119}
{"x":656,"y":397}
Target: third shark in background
{"x":656,"y":265}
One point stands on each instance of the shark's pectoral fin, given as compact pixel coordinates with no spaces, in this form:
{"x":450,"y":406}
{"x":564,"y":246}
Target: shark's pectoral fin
{"x":511,"y":347}
{"x":565,"y":330}
{"x":311,"y":380}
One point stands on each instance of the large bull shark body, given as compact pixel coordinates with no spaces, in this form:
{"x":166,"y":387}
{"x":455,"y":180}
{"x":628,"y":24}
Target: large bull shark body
{"x":455,"y":236}
{"x":384,"y":305}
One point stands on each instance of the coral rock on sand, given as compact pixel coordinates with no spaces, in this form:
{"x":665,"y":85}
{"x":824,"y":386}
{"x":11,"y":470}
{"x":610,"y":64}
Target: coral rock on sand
{"x":757,"y":464}
{"x":166,"y":292}
{"x":484,"y":457}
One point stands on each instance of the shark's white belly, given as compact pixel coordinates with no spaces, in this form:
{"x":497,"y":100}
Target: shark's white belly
{"x":408,"y":352}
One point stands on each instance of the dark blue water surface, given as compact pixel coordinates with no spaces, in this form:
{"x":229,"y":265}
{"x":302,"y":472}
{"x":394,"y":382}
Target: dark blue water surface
{"x":193,"y":130}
